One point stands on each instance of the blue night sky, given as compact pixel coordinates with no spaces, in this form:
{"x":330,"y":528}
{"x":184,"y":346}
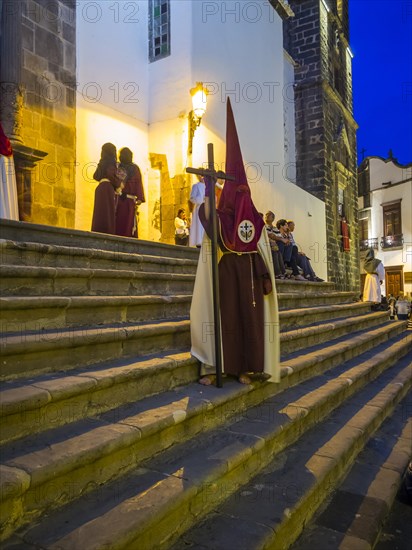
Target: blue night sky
{"x":381,"y":40}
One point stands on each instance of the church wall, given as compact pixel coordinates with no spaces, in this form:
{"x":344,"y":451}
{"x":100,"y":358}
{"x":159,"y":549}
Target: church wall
{"x":47,"y":76}
{"x":112,"y":95}
{"x":226,"y":53}
{"x":325,"y":128}
{"x":342,"y":266}
{"x":246,"y":47}
{"x":171,"y":77}
{"x":94,"y":127}
{"x":289,"y":117}
{"x":170,"y":103}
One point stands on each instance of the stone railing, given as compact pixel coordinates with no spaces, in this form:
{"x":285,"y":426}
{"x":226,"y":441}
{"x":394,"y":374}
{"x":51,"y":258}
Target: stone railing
{"x":368,"y":243}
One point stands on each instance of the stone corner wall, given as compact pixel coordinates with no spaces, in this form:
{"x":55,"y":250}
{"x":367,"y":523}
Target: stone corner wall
{"x":44,"y":71}
{"x":319,"y":114}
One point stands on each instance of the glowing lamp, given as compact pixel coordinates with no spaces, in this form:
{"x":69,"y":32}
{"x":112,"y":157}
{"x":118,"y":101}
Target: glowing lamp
{"x":199,"y":104}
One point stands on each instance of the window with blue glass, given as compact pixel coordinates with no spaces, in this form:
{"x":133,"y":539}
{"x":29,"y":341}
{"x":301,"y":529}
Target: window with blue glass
{"x":159,"y":29}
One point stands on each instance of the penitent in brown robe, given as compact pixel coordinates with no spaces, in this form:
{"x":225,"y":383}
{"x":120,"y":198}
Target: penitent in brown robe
{"x":243,"y":281}
{"x":104,"y":213}
{"x":126,"y":208}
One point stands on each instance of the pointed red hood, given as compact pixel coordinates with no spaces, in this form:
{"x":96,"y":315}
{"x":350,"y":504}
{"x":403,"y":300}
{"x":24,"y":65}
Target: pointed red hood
{"x":240,"y":223}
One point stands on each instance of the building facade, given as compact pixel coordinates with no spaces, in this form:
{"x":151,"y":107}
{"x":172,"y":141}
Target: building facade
{"x":385,"y":219}
{"x":317,"y":39}
{"x":93,"y":72}
{"x":38,"y":105}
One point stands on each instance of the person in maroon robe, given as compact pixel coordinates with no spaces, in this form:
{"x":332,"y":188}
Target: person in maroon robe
{"x":108,"y":153}
{"x":9,"y":208}
{"x":106,"y":199}
{"x":132,"y":196}
{"x":244,"y":278}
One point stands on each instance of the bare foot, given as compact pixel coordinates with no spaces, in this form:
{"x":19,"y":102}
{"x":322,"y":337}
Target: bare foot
{"x":244,"y":379}
{"x":208,"y":380}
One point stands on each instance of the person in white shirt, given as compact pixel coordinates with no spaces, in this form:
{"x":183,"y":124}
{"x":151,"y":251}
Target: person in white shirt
{"x":197,"y":198}
{"x":402,"y":308}
{"x":181,"y":228}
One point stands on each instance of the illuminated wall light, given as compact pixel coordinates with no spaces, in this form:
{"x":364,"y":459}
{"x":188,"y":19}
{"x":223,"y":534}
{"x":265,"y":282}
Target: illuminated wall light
{"x":199,"y":103}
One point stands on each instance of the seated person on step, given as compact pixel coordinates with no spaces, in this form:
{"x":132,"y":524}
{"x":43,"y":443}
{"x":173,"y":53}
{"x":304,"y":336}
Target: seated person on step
{"x":279,"y":266}
{"x":289,"y":252}
{"x":302,"y":260}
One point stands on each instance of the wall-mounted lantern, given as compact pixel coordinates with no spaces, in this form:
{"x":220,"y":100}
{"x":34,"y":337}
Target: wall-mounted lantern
{"x":199,"y":104}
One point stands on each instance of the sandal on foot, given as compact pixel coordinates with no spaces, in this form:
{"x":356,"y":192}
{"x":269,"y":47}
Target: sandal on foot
{"x":244,"y":379}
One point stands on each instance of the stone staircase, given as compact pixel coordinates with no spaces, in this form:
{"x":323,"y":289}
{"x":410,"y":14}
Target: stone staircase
{"x":107,"y":440}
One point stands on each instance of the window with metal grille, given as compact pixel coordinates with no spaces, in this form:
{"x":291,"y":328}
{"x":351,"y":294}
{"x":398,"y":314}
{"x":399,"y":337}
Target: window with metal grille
{"x":392,"y":225}
{"x":363,"y":229}
{"x":159,"y":29}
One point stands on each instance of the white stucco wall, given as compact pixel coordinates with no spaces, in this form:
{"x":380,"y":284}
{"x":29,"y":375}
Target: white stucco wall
{"x":238,"y":52}
{"x":112,"y":92}
{"x":289,"y":117}
{"x":169,"y":96}
{"x":382,"y":171}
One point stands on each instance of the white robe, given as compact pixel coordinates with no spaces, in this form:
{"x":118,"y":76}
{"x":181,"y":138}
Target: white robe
{"x":201,"y":312}
{"x":8,"y":189}
{"x":372,"y":288}
{"x":197,"y":197}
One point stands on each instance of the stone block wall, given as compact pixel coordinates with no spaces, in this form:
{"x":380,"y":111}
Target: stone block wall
{"x":47,"y":77}
{"x":343,"y":267}
{"x":324,"y":164}
{"x":174,"y":193}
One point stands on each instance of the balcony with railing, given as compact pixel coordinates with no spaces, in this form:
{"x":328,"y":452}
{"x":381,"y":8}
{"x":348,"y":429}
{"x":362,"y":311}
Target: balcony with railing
{"x":392,"y":241}
{"x":368,"y":243}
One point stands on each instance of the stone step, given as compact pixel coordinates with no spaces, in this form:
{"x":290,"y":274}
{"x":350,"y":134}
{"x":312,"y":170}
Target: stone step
{"x":272,"y":509}
{"x":303,"y":337}
{"x":25,"y":232}
{"x":33,"y":280}
{"x":297,"y":287}
{"x":293,"y":318}
{"x":155,"y":503}
{"x":62,"y":281}
{"x":26,"y":353}
{"x":32,"y":245}
{"x":354,"y":515}
{"x":47,"y":402}
{"x":293,"y":300}
{"x":20,"y":314}
{"x":47,"y":255}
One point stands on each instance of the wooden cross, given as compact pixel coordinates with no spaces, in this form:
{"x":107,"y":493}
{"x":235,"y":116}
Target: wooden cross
{"x":214,"y":175}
